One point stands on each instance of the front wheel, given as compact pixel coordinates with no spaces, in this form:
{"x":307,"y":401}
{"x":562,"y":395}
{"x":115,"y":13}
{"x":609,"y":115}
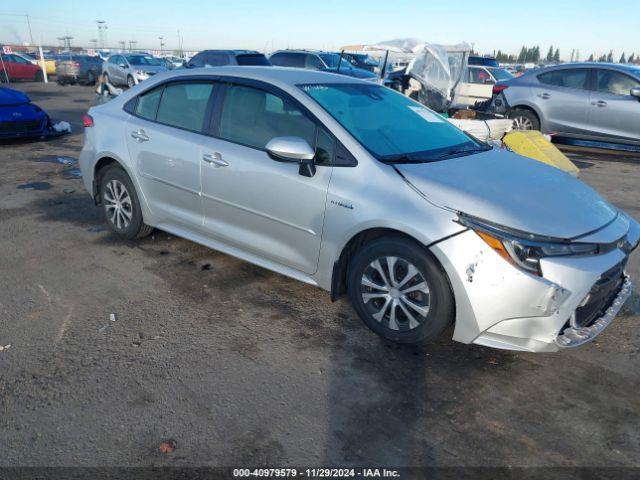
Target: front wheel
{"x":131,"y":82}
{"x":400,"y":291}
{"x":121,"y":205}
{"x":38,"y":77}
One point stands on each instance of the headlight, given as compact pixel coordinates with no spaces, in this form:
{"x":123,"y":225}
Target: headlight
{"x":141,"y":73}
{"x":522,"y":252}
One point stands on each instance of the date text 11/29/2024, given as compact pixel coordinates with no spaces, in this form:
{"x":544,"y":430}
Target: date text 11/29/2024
{"x":316,"y":473}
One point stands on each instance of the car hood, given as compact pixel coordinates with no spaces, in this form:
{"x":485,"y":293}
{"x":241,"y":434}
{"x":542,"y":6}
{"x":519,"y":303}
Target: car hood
{"x":9,"y":97}
{"x":513,"y":191}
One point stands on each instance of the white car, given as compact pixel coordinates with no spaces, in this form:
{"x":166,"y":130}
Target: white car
{"x":355,"y":188}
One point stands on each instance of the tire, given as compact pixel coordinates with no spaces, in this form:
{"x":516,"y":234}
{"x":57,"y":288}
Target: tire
{"x":121,"y":205}
{"x":38,"y":77}
{"x":421,"y":314}
{"x":130,"y":81}
{"x":91,"y":78}
{"x":524,"y":119}
{"x":60,"y":81}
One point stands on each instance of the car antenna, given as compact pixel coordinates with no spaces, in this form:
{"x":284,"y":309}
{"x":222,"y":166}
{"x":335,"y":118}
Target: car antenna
{"x":340,"y":60}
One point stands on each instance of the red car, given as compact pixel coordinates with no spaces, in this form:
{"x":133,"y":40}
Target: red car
{"x":18,"y":69}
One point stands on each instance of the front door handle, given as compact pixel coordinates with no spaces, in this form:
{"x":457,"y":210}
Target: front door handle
{"x":140,"y":136}
{"x":599,"y":103}
{"x":544,"y":96}
{"x":215,"y":159}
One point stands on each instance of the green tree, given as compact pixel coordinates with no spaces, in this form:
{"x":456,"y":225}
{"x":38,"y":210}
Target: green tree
{"x":522,"y":57}
{"x":591,"y":59}
{"x":550,"y":54}
{"x":623,"y":59}
{"x":632,"y":59}
{"x":610,"y":57}
{"x":556,"y":56}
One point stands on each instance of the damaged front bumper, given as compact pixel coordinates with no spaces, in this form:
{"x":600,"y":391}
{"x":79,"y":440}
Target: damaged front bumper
{"x":501,"y":306}
{"x":575,"y":335}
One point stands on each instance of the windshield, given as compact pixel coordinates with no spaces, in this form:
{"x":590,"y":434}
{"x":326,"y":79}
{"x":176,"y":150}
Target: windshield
{"x":392,"y":127}
{"x":332,"y":59}
{"x":500,"y":73}
{"x":143,"y":60}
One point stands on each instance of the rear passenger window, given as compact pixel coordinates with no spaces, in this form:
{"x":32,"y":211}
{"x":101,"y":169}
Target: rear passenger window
{"x":253,"y":117}
{"x":148,"y":104}
{"x":571,"y":78}
{"x":184,"y":105}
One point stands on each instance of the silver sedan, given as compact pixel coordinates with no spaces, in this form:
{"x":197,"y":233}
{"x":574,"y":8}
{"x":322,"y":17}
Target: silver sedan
{"x":355,"y":188}
{"x":587,"y":101}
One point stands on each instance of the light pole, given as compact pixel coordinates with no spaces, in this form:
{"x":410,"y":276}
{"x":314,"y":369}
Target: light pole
{"x":102,"y":27}
{"x":131,"y":44}
{"x":161,"y":44}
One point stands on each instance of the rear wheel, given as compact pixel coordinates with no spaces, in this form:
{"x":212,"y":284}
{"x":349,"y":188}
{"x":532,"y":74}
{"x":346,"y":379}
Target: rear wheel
{"x":121,"y":205}
{"x":91,"y":78}
{"x":38,"y":77}
{"x":400,"y":291}
{"x":524,"y":119}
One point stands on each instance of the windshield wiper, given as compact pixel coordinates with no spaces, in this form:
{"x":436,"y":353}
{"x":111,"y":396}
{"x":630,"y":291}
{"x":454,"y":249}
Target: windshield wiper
{"x":459,"y":152}
{"x":402,"y":158}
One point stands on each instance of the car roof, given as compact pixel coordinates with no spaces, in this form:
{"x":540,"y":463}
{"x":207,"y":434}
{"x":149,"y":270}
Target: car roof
{"x":617,"y":66}
{"x":269,"y":74}
{"x":232,"y":52}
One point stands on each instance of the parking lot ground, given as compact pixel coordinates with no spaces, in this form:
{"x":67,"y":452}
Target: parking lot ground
{"x":240,"y":366}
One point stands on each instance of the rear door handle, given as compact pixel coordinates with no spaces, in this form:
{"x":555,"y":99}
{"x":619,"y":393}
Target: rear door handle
{"x":544,"y":96}
{"x":599,"y":103}
{"x":140,"y":136}
{"x":215,"y":159}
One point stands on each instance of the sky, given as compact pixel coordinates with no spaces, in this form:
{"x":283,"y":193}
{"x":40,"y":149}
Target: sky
{"x":589,"y":26}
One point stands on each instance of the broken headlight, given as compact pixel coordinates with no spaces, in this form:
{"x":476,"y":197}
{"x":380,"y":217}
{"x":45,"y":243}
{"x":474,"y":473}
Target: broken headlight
{"x":525,"y":250}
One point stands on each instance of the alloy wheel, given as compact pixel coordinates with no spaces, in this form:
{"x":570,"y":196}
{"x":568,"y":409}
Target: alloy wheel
{"x":522,"y":123}
{"x":395,"y":293}
{"x":118,"y":206}
{"x":130,"y":82}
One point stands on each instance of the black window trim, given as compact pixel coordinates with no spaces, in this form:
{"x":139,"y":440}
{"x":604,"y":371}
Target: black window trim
{"x":211,"y":122}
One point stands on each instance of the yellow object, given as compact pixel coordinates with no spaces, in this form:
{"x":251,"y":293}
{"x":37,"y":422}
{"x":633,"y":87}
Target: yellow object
{"x":49,"y":66}
{"x":532,"y":144}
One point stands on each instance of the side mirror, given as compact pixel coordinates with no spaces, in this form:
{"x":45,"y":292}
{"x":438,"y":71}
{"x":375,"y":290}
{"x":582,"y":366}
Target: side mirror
{"x":122,"y":65}
{"x":489,"y":81}
{"x":635,"y":92}
{"x":294,"y":150}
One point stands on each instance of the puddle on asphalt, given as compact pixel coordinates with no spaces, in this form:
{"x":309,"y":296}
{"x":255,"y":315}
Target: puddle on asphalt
{"x":35,"y":186}
{"x":58,"y":160}
{"x":72,"y":173}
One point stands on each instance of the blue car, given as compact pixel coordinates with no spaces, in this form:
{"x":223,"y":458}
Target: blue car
{"x":20,"y":118}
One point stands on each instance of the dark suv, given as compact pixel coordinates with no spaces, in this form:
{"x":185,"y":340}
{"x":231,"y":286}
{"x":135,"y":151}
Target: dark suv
{"x":219,"y":58}
{"x":316,"y":60}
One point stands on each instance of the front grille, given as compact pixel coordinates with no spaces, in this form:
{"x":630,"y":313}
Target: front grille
{"x":601,"y":296}
{"x":19,"y":127}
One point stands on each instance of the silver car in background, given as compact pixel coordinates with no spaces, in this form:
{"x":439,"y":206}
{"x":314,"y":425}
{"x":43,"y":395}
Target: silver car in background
{"x":130,"y":69}
{"x":588,"y":101}
{"x":355,"y":188}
